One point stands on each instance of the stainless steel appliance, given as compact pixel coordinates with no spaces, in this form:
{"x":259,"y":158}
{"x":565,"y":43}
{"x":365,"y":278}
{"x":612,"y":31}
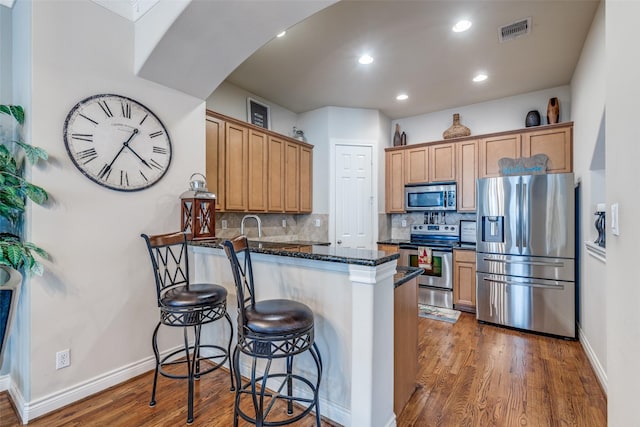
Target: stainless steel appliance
{"x":430,"y":197}
{"x":525,"y":253}
{"x":435,"y":285}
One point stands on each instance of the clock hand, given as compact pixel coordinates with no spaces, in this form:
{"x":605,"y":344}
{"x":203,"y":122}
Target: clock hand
{"x":144,"y":162}
{"x":106,"y":170}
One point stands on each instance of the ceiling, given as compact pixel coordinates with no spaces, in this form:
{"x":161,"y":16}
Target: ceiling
{"x":315,"y":64}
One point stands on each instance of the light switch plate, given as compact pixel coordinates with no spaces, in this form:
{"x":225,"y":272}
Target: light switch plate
{"x":404,"y":222}
{"x":615,"y":225}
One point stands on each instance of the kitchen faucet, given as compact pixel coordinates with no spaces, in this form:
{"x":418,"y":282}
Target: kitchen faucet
{"x":257,"y":221}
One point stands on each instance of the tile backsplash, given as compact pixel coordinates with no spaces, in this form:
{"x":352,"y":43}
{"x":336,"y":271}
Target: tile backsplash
{"x":397,"y":230}
{"x":294,"y":227}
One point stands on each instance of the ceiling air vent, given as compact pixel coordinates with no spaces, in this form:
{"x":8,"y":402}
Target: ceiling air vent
{"x":515,"y":30}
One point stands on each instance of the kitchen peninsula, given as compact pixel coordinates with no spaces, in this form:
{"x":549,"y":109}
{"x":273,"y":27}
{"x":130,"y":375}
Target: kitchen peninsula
{"x":351,"y":292}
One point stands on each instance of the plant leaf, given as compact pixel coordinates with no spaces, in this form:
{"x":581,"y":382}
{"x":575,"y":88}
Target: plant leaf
{"x":35,"y":193}
{"x":14,"y":110}
{"x":33,"y":153}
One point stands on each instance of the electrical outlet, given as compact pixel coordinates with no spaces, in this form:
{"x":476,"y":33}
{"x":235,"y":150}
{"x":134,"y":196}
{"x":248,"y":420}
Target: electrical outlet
{"x":284,"y":222}
{"x":404,"y":222}
{"x":224,"y":224}
{"x":63,"y":359}
{"x":317,"y":222}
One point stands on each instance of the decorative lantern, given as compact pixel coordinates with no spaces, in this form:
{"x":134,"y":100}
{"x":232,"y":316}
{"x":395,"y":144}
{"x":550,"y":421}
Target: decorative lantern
{"x":198,"y":209}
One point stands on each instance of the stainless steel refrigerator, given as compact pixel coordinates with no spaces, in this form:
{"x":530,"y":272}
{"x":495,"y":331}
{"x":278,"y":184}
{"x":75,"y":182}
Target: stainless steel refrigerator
{"x":525,"y":253}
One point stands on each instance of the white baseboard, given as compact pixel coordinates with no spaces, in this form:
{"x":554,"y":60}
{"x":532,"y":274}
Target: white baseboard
{"x":5,"y":380}
{"x":593,"y":359}
{"x":36,"y":408}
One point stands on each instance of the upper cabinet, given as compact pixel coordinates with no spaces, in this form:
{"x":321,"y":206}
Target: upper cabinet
{"x":464,"y":160}
{"x":255,"y":170}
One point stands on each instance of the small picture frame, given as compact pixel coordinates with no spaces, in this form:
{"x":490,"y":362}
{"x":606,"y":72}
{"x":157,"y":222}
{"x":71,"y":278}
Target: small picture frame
{"x":258,"y":113}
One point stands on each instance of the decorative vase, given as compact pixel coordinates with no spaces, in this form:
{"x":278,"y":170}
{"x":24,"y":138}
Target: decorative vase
{"x":403,"y":139}
{"x":397,"y":138}
{"x":532,"y":119}
{"x":600,"y":227}
{"x":456,"y":130}
{"x":553,"y":111}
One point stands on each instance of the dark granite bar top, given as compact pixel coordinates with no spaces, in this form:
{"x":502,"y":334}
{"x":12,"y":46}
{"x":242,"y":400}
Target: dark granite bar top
{"x":310,"y":250}
{"x":404,"y":274}
{"x":392,"y":242}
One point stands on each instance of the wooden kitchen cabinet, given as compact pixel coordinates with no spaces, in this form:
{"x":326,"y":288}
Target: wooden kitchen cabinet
{"x":442,"y":162}
{"x":405,"y":342}
{"x":464,"y":280}
{"x":388,"y":249}
{"x":215,"y":134}
{"x":306,"y":179}
{"x":467,"y":174}
{"x":493,"y":149}
{"x":416,"y":162}
{"x":236,"y":167}
{"x":291,"y":177}
{"x":394,"y":181}
{"x":251,"y":169}
{"x":555,"y":142}
{"x":257,"y":171}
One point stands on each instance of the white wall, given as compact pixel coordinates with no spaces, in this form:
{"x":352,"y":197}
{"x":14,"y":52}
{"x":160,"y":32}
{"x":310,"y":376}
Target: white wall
{"x":588,"y":100}
{"x":485,"y":117}
{"x":623,"y":152}
{"x":231,"y":100}
{"x":316,"y":129}
{"x":97,"y":295}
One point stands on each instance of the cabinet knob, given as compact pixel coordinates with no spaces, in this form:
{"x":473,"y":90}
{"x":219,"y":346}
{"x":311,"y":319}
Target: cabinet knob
{"x":339,"y":242}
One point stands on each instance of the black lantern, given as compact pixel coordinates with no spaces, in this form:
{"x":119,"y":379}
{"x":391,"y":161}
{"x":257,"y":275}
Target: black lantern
{"x":198,"y":209}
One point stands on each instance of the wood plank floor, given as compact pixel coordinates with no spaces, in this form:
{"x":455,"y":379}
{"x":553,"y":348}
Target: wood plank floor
{"x":470,"y":374}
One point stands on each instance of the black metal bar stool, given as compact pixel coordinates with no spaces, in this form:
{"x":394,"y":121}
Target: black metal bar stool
{"x":185,"y":304}
{"x":271,"y":329}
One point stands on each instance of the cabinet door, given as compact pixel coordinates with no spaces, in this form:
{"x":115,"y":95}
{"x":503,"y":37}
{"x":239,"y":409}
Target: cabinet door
{"x":388,"y":249}
{"x":442,"y":162}
{"x":464,"y":280}
{"x":214,"y":169}
{"x":306,"y":179}
{"x":555,"y":143}
{"x":292,"y":177}
{"x":394,"y":181}
{"x":467,"y":173}
{"x":275,"y":182}
{"x":493,"y":149}
{"x":417,"y":165}
{"x":236,"y":164}
{"x":257,"y":172}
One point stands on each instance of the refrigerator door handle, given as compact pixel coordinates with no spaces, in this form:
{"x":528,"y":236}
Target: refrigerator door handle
{"x":518,"y":215}
{"x":537,"y":263}
{"x":524,"y":219}
{"x":528,"y":284}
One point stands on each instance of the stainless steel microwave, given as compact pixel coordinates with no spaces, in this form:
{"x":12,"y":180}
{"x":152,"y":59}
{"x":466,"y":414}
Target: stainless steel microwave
{"x":430,"y":197}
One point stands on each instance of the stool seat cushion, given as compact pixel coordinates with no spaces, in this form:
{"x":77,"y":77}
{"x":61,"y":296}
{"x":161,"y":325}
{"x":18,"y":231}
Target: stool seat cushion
{"x":196,"y":294}
{"x":278,"y":316}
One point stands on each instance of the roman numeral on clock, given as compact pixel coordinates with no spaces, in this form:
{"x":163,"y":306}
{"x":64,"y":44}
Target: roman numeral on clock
{"x":91,"y":120}
{"x":159,"y":150}
{"x":153,"y":135}
{"x":105,"y":108}
{"x":155,"y":164}
{"x":126,"y":109}
{"x":87,"y":155}
{"x":104,"y":172}
{"x":124,"y":178}
{"x":82,"y":136}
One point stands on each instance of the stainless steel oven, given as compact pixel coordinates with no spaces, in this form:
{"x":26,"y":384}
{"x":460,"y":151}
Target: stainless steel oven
{"x":436,"y":283}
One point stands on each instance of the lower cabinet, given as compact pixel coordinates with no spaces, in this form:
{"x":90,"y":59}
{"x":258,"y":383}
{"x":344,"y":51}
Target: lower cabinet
{"x":388,"y":249}
{"x":405,"y":342}
{"x":464,"y":280}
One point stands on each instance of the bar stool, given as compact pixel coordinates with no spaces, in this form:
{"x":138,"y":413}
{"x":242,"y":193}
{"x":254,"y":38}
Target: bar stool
{"x":185,"y":304}
{"x":268,"y":330}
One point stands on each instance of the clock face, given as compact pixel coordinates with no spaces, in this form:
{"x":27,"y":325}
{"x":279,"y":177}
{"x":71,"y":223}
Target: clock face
{"x":117,"y":142}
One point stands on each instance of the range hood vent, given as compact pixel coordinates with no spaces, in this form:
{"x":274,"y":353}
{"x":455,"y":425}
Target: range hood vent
{"x":517,"y":29}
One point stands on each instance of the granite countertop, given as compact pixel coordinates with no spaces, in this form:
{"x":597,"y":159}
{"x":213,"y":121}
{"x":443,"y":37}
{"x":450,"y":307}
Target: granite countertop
{"x":318,"y":251}
{"x":393,"y":242}
{"x":404,"y":274}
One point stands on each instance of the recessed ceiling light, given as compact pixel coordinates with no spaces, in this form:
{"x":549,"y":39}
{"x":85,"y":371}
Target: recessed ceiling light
{"x":480,"y":77}
{"x":402,"y":97}
{"x":462,"y":25}
{"x":281,"y":34}
{"x":365,"y":59}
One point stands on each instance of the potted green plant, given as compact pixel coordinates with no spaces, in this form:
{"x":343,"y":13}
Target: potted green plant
{"x":16,"y":255}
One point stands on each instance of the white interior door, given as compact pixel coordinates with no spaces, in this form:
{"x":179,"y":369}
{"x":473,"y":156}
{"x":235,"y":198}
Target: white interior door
{"x":354,"y":196}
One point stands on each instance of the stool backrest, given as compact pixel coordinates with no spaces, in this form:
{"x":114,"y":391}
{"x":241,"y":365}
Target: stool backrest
{"x":170,"y":261}
{"x":242,"y":273}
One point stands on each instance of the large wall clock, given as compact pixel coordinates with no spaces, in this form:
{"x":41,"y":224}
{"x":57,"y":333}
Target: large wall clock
{"x":117,"y":142}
